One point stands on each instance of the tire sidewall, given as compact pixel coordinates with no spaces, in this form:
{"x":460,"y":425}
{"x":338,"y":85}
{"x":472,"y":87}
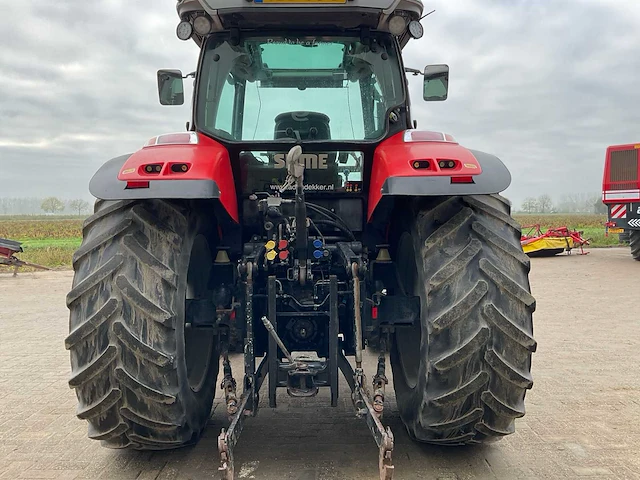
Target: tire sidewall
{"x":198,"y":404}
{"x":409,"y":398}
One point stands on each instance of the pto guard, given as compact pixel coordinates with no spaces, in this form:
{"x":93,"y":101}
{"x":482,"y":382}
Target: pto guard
{"x":423,"y":163}
{"x":172,"y":166}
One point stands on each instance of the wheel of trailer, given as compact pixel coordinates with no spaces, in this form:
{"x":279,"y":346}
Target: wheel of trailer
{"x":623,"y":237}
{"x":461,"y":374}
{"x":634,"y":244}
{"x":144,"y":378}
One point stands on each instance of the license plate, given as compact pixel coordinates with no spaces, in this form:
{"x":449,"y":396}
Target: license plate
{"x":300,"y":1}
{"x":616,"y":230}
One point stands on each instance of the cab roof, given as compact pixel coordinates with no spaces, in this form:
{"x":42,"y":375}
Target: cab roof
{"x":343,"y":14}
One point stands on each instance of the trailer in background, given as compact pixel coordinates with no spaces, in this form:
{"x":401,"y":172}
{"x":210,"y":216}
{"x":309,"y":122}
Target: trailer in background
{"x":621,"y":194}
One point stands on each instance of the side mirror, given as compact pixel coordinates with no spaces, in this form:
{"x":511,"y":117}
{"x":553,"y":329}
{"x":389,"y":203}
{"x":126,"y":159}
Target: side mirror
{"x":436,"y":83}
{"x":170,"y":87}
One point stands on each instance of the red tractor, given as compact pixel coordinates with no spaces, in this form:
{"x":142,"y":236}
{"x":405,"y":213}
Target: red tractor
{"x":301,"y":218}
{"x":621,"y":194}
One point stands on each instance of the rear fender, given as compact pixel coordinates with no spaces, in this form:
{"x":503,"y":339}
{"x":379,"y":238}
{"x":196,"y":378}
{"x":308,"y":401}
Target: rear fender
{"x":208,"y":172}
{"x":408,"y":164}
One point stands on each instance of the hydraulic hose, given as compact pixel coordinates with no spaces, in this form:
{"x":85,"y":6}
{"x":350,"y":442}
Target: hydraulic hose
{"x":302,"y":237}
{"x":348,"y":233}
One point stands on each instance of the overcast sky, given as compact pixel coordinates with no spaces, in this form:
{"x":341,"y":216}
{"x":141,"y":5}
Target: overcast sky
{"x":544,"y":84}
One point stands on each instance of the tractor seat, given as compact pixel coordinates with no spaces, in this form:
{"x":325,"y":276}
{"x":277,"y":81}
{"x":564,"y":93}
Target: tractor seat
{"x":308,"y":125}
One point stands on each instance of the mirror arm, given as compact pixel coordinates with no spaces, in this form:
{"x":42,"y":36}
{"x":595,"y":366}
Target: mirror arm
{"x":192,"y":75}
{"x":414,"y":71}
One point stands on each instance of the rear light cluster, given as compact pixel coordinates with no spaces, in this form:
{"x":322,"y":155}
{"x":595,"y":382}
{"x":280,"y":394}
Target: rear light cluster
{"x":156,"y":168}
{"x":443,"y":164}
{"x":153,"y":168}
{"x":421,"y":164}
{"x":447,"y":164}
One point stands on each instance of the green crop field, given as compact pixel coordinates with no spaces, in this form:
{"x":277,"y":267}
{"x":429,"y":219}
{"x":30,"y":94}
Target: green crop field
{"x":51,"y":241}
{"x":48,"y":241}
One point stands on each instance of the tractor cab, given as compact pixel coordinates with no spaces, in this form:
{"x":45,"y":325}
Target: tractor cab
{"x":325,"y":75}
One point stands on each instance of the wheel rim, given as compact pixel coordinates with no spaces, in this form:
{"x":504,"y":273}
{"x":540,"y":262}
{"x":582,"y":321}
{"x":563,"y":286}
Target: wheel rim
{"x":408,"y":340}
{"x":198,"y":342}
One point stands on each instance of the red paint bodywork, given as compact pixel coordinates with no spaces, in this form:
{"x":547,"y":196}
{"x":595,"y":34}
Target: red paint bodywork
{"x":613,"y":187}
{"x":394,"y":158}
{"x":207,"y":160}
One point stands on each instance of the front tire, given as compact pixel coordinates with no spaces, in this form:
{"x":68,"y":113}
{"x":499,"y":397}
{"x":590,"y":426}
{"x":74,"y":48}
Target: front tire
{"x":143,"y":379}
{"x":460,"y":376}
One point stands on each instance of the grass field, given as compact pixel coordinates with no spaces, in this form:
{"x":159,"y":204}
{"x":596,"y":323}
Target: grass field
{"x":51,"y":241}
{"x":47,"y":241}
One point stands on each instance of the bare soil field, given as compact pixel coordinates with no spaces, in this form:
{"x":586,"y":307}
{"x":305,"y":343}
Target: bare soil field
{"x":582,"y":420}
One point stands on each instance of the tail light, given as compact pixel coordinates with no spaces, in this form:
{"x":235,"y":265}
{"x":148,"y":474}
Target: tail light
{"x":462,"y":179}
{"x":137,"y":184}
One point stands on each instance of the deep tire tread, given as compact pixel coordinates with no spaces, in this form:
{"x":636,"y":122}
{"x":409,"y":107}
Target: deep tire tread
{"x":507,"y":284}
{"x":460,"y":309}
{"x":507,"y":371}
{"x":132,"y":383}
{"x":94,"y":367}
{"x":469,"y":417}
{"x":447,"y":230}
{"x":473,"y":279}
{"x":139,"y":348}
{"x":122,"y":304}
{"x":458,"y":355}
{"x":145,"y":421}
{"x":138,"y":300}
{"x":500,"y":408}
{"x":93,"y":323}
{"x":104,"y":211}
{"x":498,"y":319}
{"x":143,"y":255}
{"x":101,"y":239}
{"x":463,"y":391}
{"x":94,"y":279}
{"x":101,"y":406}
{"x":457,"y":265}
{"x":114,"y":432}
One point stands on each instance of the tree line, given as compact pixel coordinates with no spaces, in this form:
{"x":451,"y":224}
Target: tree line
{"x":567,"y":203}
{"x":50,"y":205}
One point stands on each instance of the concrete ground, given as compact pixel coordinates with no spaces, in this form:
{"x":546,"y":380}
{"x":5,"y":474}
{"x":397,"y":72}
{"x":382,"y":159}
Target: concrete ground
{"x":582,"y":421}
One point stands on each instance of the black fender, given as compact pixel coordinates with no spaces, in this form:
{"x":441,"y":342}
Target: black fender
{"x":105,"y":185}
{"x":495,"y":178}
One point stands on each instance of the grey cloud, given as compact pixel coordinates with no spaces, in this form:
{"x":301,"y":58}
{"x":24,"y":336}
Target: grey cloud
{"x":544,"y":85}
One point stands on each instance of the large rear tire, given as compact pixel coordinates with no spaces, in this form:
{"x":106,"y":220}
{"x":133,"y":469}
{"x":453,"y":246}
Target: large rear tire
{"x":634,"y":244}
{"x":143,"y":380}
{"x":460,"y":376}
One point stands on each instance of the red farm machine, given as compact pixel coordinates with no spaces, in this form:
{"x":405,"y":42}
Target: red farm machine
{"x":8,"y":251}
{"x":621,"y":194}
{"x":301,"y":218}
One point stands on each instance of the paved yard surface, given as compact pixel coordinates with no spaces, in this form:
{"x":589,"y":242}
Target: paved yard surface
{"x":582,"y":421}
